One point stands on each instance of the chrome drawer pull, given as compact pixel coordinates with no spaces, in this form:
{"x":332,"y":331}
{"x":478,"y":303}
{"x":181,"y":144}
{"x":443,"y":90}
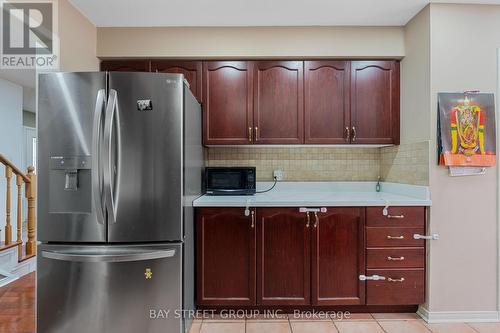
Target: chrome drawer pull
{"x":395,"y":237}
{"x":395,"y":258}
{"x":396,"y":216}
{"x":395,"y":280}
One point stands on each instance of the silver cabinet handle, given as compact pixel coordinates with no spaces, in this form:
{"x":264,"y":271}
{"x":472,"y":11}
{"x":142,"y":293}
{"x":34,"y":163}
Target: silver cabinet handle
{"x":431,"y":237}
{"x":353,"y":134}
{"x":396,"y":216}
{"x":396,"y":237}
{"x":96,"y":158}
{"x":371,"y":277}
{"x":102,"y":257}
{"x":347,"y":134}
{"x":395,"y":280}
{"x":395,"y":258}
{"x":253,"y":219}
{"x":111,"y":112}
{"x":308,"y":220}
{"x":250,"y":134}
{"x":316,"y":220}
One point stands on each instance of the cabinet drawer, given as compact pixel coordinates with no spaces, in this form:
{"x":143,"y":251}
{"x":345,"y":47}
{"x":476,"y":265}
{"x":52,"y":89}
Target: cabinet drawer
{"x":395,"y":258}
{"x":397,"y":217}
{"x":401,"y":286}
{"x":380,"y":237}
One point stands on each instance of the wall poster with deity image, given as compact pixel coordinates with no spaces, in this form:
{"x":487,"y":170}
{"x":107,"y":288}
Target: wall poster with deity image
{"x":466,"y":129}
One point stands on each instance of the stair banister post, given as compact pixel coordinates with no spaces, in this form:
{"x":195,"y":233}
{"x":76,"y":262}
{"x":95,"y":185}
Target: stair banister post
{"x":30,"y":195}
{"x":19,"y":183}
{"x":8,"y":227}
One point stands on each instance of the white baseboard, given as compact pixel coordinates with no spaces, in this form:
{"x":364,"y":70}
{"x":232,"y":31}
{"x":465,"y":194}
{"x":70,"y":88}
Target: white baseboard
{"x":433,"y":317}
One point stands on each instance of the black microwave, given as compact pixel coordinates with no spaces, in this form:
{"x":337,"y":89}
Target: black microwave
{"x":230,"y":180}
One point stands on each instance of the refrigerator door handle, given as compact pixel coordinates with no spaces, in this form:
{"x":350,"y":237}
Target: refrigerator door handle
{"x":96,"y":158}
{"x":118,"y":256}
{"x":112,"y":112}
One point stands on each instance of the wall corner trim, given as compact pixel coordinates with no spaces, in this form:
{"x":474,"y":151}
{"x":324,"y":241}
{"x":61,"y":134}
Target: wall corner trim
{"x":434,"y":317}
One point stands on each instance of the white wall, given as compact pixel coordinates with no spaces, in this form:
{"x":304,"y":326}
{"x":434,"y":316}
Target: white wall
{"x":415,"y":79}
{"x":11,"y":142}
{"x":464,"y":262}
{"x":251,"y":42}
{"x":78,"y":40}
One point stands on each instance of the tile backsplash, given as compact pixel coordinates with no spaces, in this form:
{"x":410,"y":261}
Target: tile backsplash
{"x":407,"y":163}
{"x":302,"y":164}
{"x":395,"y":164}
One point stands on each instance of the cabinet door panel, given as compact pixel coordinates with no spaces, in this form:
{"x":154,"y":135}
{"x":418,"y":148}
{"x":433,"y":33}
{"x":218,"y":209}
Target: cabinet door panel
{"x":338,"y":257}
{"x":227,"y":101}
{"x":375,"y":102}
{"x":283,"y":273}
{"x":125,"y":65}
{"x":278,"y":102}
{"x":326,"y":99}
{"x":190,"y":69}
{"x":225,"y":257}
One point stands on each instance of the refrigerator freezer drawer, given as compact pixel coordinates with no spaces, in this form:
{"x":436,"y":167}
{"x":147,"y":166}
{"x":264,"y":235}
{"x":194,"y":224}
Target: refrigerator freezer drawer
{"x":112,"y":288}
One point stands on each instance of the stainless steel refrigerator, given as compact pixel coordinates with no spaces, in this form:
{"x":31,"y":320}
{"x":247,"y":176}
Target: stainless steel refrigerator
{"x":120,"y":162}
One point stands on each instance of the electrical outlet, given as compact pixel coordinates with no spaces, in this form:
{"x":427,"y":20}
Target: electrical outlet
{"x":278,"y":174}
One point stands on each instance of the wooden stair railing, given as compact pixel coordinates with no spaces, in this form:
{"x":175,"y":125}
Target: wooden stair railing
{"x":29,"y":181}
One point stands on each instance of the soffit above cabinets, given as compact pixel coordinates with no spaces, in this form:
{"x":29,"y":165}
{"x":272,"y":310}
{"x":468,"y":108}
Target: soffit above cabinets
{"x":161,"y":13}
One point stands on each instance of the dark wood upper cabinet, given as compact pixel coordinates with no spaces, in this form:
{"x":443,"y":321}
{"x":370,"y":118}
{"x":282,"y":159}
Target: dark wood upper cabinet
{"x":289,"y":102}
{"x":190,"y":69}
{"x":227,"y":102}
{"x":338,"y":257}
{"x":283,"y":257}
{"x":225,"y":257}
{"x":375,"y":102}
{"x":126,"y":65}
{"x":278,"y":102}
{"x":326,"y":102}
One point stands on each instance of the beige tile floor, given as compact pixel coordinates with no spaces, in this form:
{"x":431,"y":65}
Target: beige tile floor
{"x":357,"y":323}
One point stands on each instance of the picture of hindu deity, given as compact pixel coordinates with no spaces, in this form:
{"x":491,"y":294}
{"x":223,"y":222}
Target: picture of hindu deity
{"x":467,"y":123}
{"x":467,"y":129}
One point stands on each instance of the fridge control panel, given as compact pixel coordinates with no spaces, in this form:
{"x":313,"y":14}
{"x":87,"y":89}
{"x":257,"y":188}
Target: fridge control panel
{"x":70,"y":162}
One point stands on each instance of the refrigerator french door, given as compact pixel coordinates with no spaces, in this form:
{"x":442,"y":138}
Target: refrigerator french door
{"x":120,"y":161}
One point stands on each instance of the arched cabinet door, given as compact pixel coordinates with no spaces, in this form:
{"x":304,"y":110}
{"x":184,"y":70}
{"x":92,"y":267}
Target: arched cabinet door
{"x":278,"y":102}
{"x":338,"y":256}
{"x":227,"y":102}
{"x":191,"y":70}
{"x":283,"y":257}
{"x":375,"y":102}
{"x":225,"y":256}
{"x":326,"y":102}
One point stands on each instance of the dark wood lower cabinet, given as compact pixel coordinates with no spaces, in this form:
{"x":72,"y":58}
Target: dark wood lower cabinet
{"x":288,"y":259}
{"x":338,"y":257}
{"x":283,"y":257}
{"x":225,"y":257}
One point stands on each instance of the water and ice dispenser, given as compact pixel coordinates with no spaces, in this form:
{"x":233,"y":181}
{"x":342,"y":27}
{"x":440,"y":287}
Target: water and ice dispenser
{"x":70,"y":184}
